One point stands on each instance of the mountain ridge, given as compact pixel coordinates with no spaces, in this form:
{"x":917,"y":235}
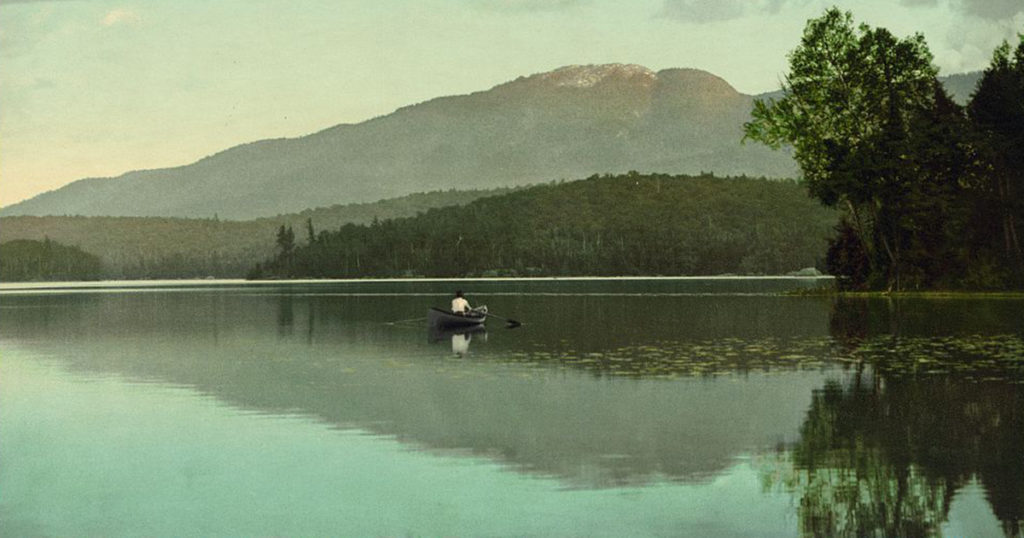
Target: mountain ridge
{"x":573,"y":121}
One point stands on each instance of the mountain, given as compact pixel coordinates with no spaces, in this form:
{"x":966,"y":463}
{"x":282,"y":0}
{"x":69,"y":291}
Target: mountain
{"x":568,"y":123}
{"x":960,"y":86}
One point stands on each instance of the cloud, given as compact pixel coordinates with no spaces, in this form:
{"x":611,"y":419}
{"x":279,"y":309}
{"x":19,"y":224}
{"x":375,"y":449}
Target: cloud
{"x":531,"y":5}
{"x":22,"y":30}
{"x":43,"y":83}
{"x":700,"y":11}
{"x":6,"y":2}
{"x":996,"y":10}
{"x":720,"y":10}
{"x":119,"y":16}
{"x":993,"y":9}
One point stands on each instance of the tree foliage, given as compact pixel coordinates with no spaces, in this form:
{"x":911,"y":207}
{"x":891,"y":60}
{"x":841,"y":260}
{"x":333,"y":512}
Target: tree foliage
{"x":997,"y":109}
{"x":24,"y":260}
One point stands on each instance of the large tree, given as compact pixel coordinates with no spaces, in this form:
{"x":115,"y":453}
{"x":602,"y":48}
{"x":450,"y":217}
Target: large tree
{"x":936,"y":215}
{"x":997,"y":109}
{"x":848,"y":103}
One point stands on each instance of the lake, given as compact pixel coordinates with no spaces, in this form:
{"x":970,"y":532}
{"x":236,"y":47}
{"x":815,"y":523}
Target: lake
{"x":639,"y":407}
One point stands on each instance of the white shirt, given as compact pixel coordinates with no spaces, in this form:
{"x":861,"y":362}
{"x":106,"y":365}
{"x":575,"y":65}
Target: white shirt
{"x":460,"y":305}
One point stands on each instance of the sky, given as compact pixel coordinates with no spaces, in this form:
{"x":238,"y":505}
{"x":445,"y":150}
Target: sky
{"x":96,"y":88}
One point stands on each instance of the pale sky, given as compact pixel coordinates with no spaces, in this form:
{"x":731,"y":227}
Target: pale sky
{"x":95,"y":88}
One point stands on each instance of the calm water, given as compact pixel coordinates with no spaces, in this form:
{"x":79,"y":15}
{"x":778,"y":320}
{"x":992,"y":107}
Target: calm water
{"x":306,"y":410}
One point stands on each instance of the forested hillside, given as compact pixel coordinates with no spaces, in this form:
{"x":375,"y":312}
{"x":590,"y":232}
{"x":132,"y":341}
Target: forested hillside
{"x":392,"y":208}
{"x":628,"y":224}
{"x":153,"y":247}
{"x":24,"y":260}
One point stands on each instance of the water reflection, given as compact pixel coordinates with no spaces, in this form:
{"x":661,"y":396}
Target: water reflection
{"x":286,"y":316}
{"x":460,"y":337}
{"x":885,"y":457}
{"x":881,"y":411}
{"x":884,"y":452}
{"x":548,"y":398}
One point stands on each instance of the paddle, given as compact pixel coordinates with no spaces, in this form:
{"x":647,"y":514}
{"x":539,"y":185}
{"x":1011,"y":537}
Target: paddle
{"x":512,"y":324}
{"x":406,"y":320}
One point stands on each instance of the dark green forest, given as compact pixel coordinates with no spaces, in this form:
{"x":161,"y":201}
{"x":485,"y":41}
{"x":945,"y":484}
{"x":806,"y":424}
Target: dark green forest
{"x":930,"y":191}
{"x":628,"y":224}
{"x":24,"y":260}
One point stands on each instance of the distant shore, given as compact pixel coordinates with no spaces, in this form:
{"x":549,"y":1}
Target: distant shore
{"x":684,"y":285}
{"x":932,"y":294}
{"x":433,"y":282}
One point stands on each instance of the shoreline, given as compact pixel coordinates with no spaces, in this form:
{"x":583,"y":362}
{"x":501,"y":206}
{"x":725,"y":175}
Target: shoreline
{"x":718,"y":284}
{"x":141,"y":283}
{"x":812,"y":286}
{"x":931,"y":294}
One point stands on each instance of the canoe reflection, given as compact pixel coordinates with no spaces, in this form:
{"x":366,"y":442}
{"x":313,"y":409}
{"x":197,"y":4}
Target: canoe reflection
{"x":458,"y":336}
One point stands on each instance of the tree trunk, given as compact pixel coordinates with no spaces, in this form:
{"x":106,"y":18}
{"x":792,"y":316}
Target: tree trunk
{"x":1011,"y":225}
{"x":864,"y":239}
{"x":1001,"y":184}
{"x":884,"y":226}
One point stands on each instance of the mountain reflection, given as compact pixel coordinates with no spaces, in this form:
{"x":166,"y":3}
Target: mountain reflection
{"x":548,"y":398}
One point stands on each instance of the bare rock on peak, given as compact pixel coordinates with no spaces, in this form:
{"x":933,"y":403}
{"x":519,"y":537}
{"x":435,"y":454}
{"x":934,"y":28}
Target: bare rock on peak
{"x":585,"y":76}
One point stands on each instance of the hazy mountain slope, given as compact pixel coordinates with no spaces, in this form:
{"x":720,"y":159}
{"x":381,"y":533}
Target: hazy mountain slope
{"x":570,"y":122}
{"x":391,"y":208}
{"x":961,"y":86}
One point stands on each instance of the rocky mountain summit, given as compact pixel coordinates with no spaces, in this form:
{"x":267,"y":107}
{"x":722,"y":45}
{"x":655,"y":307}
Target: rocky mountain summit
{"x":586,"y":76}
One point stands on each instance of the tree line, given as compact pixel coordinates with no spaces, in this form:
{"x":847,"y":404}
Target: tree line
{"x":930,"y":192}
{"x":164,"y":247}
{"x":25,"y":260}
{"x":629,"y":224}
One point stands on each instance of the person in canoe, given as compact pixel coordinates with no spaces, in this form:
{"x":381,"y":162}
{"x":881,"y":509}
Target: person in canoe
{"x":461,"y":306}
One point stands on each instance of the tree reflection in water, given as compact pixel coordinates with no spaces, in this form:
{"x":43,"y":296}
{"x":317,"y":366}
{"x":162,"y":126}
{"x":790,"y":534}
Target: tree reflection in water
{"x":883,"y":452}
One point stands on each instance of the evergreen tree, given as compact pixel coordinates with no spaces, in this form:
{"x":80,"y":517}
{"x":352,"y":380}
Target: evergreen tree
{"x":937,"y":214}
{"x":997,"y":108}
{"x":285,"y":240}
